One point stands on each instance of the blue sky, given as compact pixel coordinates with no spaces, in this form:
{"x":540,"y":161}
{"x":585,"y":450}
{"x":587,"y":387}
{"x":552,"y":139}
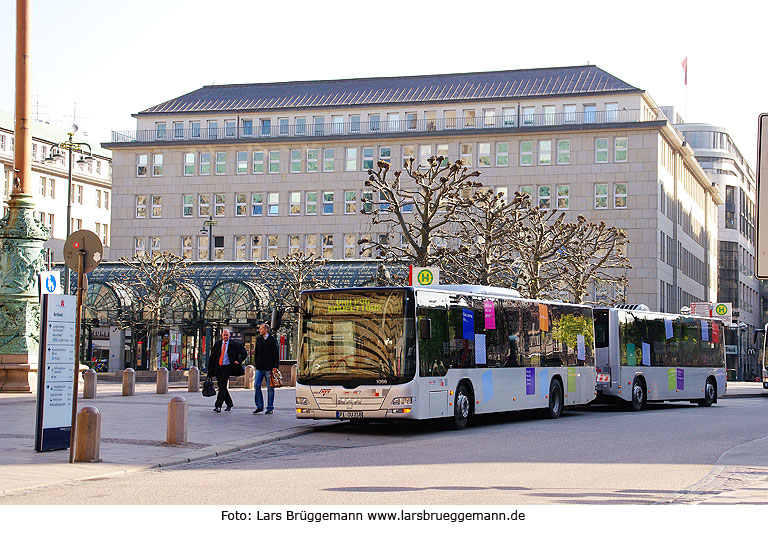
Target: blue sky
{"x":114,"y":58}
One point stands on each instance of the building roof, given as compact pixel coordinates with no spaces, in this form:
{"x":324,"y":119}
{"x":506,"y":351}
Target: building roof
{"x":44,"y":131}
{"x":507,"y":84}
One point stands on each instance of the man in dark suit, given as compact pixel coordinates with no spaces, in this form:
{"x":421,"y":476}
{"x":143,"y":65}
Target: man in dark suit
{"x":265,"y":360}
{"x":225,"y":360}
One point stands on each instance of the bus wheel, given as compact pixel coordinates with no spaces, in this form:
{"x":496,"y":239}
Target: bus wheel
{"x":555,"y":408}
{"x":638,"y":395}
{"x":710,"y":393}
{"x":462,"y":408}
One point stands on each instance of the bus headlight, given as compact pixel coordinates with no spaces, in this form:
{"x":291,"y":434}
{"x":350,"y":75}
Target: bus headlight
{"x":302,"y":401}
{"x":408,"y":400}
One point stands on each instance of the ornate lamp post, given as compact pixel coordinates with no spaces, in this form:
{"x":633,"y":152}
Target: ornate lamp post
{"x":85,"y":157}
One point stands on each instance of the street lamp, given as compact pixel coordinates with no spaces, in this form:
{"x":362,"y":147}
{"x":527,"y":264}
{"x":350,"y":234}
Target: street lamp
{"x":208,"y":228}
{"x":85,"y":157}
{"x":741,"y":326}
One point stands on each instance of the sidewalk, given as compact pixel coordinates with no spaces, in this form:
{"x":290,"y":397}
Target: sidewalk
{"x":133,"y":433}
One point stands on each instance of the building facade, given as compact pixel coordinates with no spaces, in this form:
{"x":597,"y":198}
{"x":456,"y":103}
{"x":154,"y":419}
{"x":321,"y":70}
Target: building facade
{"x":722,"y":160}
{"x":91,"y":191}
{"x":281,"y":167}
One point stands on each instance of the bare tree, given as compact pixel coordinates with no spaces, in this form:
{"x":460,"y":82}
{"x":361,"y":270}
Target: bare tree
{"x":155,"y":279}
{"x":417,"y":205}
{"x":595,"y":256}
{"x":482,"y":251}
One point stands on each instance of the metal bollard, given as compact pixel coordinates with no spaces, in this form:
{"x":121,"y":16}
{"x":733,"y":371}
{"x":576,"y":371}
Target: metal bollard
{"x":193,"y":379}
{"x":162,"y":380}
{"x":250,"y":372}
{"x":89,"y":384}
{"x":177,"y":421}
{"x":88,"y":436}
{"x":294,"y":372}
{"x":129,"y":382}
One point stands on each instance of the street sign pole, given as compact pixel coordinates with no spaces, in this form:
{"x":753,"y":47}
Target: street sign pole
{"x":78,"y":330}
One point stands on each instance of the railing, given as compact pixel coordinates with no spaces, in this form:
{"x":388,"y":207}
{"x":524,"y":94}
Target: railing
{"x":272,"y":130}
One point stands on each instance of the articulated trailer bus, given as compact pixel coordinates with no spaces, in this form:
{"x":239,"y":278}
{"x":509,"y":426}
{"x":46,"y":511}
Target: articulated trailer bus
{"x":644,"y":356}
{"x":415,"y":353}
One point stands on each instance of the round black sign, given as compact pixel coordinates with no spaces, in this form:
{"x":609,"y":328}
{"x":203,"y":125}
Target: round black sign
{"x":87,"y":241}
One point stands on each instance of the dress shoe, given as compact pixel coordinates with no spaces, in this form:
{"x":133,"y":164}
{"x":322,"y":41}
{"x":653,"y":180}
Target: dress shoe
{"x":257,"y":411}
{"x":268,"y":412}
{"x":228,"y":408}
{"x":217,"y":409}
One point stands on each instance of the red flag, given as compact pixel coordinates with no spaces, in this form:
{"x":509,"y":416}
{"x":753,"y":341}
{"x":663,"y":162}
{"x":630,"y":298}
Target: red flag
{"x":685,"y":68}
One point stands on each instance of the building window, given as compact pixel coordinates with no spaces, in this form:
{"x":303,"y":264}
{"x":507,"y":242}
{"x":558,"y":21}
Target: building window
{"x":328,"y":203}
{"x":590,"y":110}
{"x":430,"y":119}
{"x":186,"y":247}
{"x":266,"y":127}
{"x":328,"y":246}
{"x":620,"y":151}
{"x":385,"y":153}
{"x":220,"y":201}
{"x":229,"y":128}
{"x":329,"y":160}
{"x":283,"y":126}
{"x":319,"y":126}
{"x":274,"y":204}
{"x":502,"y":154}
{"x":203,"y":205}
{"x":313,"y":156}
{"x":411,"y":121}
{"x":393,"y":121}
{"x":620,"y":195}
{"x":272,"y":246}
{"x":154,"y":245}
{"x":489,"y":118}
{"x":368,"y":158}
{"x":337,"y":124}
{"x":409,"y":152}
{"x":255,"y":246}
{"x":257,"y":204}
{"x":601,"y":150}
{"x":274,"y":161}
{"x":205,"y":163}
{"x":469,"y":118}
{"x":294,"y":201}
{"x":354,"y":123}
{"x":601,"y":196}
{"x":43,"y":186}
{"x":141,"y":206}
{"x":189,"y":163}
{"x":295,"y":161}
{"x":104,"y":230}
{"x":242,"y":162}
{"x":310,"y":245}
{"x":52,"y":192}
{"x":569,"y":114}
{"x":159,"y":130}
{"x":258,"y":162}
{"x":611,"y":112}
{"x":350,"y":246}
{"x":294,"y":244}
{"x":194,"y":127}
{"x":79,"y":197}
{"x":563,"y":196}
{"x":301,"y":126}
{"x":374,"y":122}
{"x":549,"y":115}
{"x":106,"y":199}
{"x":202,"y":247}
{"x":365,"y":246}
{"x":141,"y":165}
{"x":350,"y":202}
{"x":240,"y":247}
{"x":527,"y":190}
{"x":529,"y":117}
{"x":221,"y":163}
{"x":213,"y":129}
{"x":187,"y":205}
{"x":545,"y":152}
{"x":218,"y":247}
{"x":351,"y":159}
{"x":442,"y":150}
{"x":508,"y":115}
{"x":564,"y":152}
{"x":526,"y":153}
{"x":449,"y":117}
{"x":139,"y":245}
{"x":484,"y":154}
{"x":311,"y":203}
{"x":241,"y":204}
{"x":366,"y":202}
{"x":425,"y":152}
{"x":247,"y":128}
{"x":466,"y":154}
{"x":545,"y":196}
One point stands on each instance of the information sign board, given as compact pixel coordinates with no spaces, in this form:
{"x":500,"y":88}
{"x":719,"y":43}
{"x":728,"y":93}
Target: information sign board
{"x":56,"y":372}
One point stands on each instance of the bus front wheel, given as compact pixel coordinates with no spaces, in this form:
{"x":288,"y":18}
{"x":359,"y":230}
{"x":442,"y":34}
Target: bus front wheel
{"x":555,"y":408}
{"x":710,"y":393}
{"x":638,"y":394}
{"x":462,"y":407}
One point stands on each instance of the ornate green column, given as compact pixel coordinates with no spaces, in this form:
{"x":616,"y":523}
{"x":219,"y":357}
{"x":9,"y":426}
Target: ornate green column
{"x":21,"y":259}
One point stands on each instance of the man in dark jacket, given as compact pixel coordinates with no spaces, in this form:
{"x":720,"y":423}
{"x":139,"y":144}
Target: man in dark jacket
{"x":265,"y":360}
{"x":225,"y":360}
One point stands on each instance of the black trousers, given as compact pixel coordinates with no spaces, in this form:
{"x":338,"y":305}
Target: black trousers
{"x":222,"y":379}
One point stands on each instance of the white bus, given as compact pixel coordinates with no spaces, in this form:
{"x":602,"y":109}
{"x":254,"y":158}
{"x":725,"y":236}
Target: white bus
{"x":646,"y":356}
{"x":440,"y":352}
{"x":765,"y":344}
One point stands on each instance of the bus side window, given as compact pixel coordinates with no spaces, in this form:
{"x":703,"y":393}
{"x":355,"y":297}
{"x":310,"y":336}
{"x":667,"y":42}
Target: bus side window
{"x":531,"y":334}
{"x":462,"y":353}
{"x":433,"y":352}
{"x":513,"y":320}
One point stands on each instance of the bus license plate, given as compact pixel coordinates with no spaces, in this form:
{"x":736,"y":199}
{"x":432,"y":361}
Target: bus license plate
{"x":349,"y":414}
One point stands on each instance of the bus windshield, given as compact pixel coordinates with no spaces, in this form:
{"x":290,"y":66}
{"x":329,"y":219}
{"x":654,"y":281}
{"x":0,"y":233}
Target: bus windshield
{"x":357,"y":337}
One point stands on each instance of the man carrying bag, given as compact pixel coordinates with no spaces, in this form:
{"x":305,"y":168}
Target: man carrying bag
{"x":265,"y":360}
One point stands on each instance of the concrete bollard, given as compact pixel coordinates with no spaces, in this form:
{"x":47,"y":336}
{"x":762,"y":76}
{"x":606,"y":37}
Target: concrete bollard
{"x":162,"y":380}
{"x":294,"y":372}
{"x":250,"y":373}
{"x":88,"y":435}
{"x":177,"y":421}
{"x":89,"y":384}
{"x":193,"y":379}
{"x":129,"y":382}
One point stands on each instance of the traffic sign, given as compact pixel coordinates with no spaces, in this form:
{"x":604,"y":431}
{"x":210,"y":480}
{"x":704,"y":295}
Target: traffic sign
{"x":87,"y":241}
{"x":50,"y":282}
{"x":424,"y":276}
{"x":724,"y":311}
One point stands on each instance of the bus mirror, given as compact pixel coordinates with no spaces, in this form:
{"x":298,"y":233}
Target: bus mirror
{"x":425,"y":328}
{"x":755,"y":333}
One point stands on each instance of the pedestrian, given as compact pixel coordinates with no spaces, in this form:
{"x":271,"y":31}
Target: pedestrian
{"x":224,"y":361}
{"x":264,"y":361}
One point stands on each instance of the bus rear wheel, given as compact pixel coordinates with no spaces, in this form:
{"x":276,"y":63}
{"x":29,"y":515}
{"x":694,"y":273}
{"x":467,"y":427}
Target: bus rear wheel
{"x":462,"y":407}
{"x":638,"y":395}
{"x":710,"y":393}
{"x":555,"y":408}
